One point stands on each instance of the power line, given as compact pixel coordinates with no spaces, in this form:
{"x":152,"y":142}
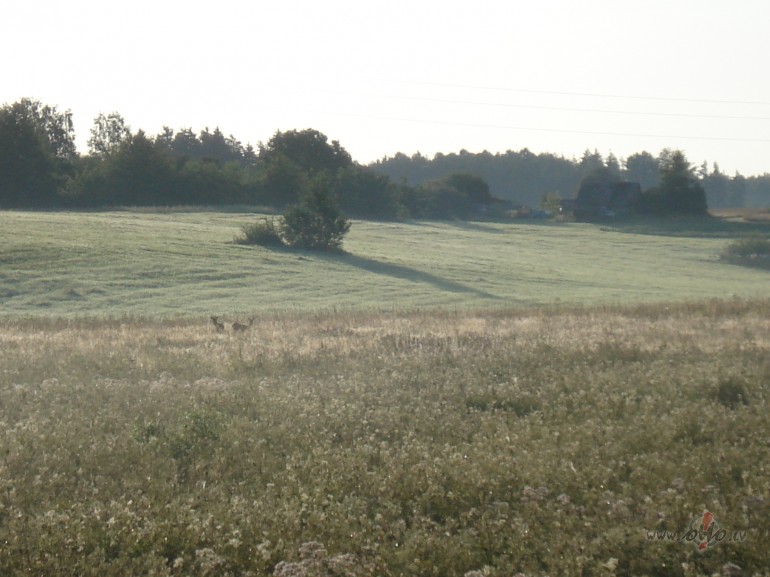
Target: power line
{"x":569,"y":93}
{"x":557,"y":108}
{"x":552,"y":130}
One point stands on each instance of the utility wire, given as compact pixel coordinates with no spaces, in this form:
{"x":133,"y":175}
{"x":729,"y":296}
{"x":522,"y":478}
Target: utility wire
{"x":564,"y":92}
{"x":550,"y":130}
{"x":555,"y":108}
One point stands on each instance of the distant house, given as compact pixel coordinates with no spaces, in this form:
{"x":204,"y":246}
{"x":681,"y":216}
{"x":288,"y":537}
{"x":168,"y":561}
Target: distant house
{"x":499,"y":208}
{"x":601,"y":200}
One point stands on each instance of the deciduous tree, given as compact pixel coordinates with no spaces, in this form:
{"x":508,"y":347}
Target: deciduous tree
{"x":308,"y":149}
{"x":643,"y":168}
{"x":36,"y":150}
{"x":473,"y":186}
{"x":107,"y":134}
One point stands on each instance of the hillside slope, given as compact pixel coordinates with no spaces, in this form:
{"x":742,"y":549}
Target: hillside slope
{"x":185,"y":263}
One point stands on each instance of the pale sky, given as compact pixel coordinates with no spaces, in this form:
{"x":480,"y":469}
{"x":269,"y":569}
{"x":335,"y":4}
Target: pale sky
{"x":390,"y":76}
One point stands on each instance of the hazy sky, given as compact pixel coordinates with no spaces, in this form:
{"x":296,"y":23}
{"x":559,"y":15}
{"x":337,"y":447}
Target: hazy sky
{"x":393,"y":76}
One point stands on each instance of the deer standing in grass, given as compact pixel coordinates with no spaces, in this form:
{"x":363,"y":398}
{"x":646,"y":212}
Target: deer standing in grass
{"x":219,"y":325}
{"x":240,"y":327}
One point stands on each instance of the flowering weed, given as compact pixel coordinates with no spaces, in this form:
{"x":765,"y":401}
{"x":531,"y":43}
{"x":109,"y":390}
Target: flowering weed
{"x":539,"y":442}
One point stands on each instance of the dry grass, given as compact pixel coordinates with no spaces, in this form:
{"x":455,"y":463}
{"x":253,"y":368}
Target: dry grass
{"x":195,"y":342}
{"x":759,"y":215}
{"x":545,"y":441}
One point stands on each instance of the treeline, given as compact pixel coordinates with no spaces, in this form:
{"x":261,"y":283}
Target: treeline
{"x":40,"y":167}
{"x":525,"y":178}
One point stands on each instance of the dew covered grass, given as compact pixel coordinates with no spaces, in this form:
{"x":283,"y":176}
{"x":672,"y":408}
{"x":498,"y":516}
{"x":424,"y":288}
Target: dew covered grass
{"x":185,"y":263}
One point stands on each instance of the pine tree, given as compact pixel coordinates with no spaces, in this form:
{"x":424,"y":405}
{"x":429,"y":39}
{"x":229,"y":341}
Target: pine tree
{"x":316,"y":222}
{"x":680,"y":189}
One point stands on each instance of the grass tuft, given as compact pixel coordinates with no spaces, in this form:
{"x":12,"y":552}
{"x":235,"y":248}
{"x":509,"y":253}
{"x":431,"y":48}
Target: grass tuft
{"x":732,"y":393}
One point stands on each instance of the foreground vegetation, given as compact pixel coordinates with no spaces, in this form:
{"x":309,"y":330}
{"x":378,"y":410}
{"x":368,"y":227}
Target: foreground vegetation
{"x":542,"y":442}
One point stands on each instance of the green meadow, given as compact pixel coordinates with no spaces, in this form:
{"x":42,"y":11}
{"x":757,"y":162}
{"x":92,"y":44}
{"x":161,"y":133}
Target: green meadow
{"x":442,"y":399}
{"x":177,"y":263}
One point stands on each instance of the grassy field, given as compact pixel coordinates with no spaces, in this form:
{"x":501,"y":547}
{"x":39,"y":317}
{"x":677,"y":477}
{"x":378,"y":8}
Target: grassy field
{"x":170,"y":263}
{"x":442,"y":399}
{"x":448,"y":444}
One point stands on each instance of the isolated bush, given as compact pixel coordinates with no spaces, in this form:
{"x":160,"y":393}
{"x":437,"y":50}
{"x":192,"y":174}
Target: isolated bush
{"x":753,"y":250}
{"x":265,"y":232}
{"x":315,"y":223}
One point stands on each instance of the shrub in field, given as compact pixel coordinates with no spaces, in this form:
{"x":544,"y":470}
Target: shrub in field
{"x":265,"y":232}
{"x":316,"y":222}
{"x":753,"y":250}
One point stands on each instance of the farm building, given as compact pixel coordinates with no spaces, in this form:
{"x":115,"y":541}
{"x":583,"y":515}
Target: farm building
{"x":600,"y":200}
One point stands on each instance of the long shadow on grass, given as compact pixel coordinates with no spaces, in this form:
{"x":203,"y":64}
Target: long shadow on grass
{"x":403,"y":273}
{"x":485,"y":225}
{"x":475,"y":226}
{"x":462,"y":224}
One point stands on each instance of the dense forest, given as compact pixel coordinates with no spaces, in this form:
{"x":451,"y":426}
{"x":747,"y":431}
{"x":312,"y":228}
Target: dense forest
{"x":524,"y":177}
{"x":40,"y":167}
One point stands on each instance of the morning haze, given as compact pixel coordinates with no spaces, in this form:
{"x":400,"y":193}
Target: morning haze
{"x":392,"y":289}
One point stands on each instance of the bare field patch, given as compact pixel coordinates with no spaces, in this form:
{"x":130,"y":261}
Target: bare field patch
{"x":760,"y":215}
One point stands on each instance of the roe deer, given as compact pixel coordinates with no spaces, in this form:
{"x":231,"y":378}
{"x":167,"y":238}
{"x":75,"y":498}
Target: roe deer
{"x":219,"y":326}
{"x":240,"y":327}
